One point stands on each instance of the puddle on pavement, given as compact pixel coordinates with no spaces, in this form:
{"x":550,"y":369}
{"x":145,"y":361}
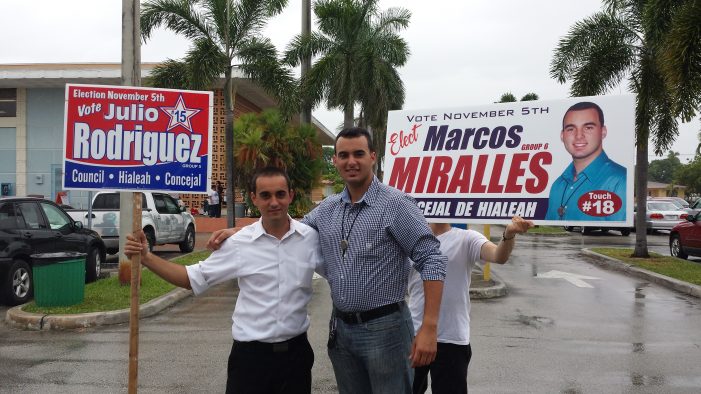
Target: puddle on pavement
{"x":644,"y":380}
{"x":535,"y":321}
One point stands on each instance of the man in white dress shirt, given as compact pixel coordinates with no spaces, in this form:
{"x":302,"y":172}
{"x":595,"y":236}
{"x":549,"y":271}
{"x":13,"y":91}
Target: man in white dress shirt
{"x":274,"y":260}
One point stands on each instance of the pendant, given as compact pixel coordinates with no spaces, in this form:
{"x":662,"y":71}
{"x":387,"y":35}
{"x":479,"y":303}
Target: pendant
{"x":344,"y":245}
{"x":561,"y":211}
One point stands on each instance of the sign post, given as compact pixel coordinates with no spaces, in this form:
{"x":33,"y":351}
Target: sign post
{"x":133,"y":139}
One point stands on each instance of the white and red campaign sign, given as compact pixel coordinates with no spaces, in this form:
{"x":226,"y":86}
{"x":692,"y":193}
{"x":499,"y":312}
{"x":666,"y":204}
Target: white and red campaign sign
{"x":560,"y":162}
{"x":134,"y":139}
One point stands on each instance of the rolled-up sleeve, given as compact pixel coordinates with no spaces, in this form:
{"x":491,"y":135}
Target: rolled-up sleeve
{"x":220,"y":266}
{"x":414,"y":235}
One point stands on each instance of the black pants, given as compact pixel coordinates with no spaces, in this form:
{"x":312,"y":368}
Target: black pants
{"x":448,"y":371}
{"x":264,"y":368}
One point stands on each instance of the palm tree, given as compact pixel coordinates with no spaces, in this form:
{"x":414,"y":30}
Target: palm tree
{"x":221,"y":31}
{"x":358,"y":50}
{"x":530,"y":97}
{"x":624,"y":41}
{"x":681,"y":59}
{"x":507,"y":97}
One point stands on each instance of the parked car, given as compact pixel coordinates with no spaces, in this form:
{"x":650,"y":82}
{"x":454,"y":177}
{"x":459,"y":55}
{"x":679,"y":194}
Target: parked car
{"x":163,"y":220}
{"x":663,"y":215}
{"x":678,"y":202}
{"x":685,"y":238}
{"x":625,"y":231}
{"x":696,"y":206}
{"x":30,"y":226}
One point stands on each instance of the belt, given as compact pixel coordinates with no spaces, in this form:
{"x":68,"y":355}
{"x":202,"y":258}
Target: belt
{"x":361,"y":317}
{"x":271,"y":347}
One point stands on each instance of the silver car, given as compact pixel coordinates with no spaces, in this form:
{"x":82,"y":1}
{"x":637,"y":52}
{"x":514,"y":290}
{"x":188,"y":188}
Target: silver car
{"x":663,"y":215}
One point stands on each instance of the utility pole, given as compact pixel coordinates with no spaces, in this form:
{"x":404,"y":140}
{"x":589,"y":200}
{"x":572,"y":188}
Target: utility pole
{"x":306,"y":115}
{"x":129,"y":202}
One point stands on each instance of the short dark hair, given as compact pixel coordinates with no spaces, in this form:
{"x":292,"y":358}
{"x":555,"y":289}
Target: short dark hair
{"x":581,"y":106}
{"x":355,"y":132}
{"x":268,"y":172}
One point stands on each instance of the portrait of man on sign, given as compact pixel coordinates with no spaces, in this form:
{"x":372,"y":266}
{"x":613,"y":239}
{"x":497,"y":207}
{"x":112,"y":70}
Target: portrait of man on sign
{"x":592,"y":187}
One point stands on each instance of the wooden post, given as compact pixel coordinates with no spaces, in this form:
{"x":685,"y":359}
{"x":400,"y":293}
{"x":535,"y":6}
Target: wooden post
{"x":487,"y":271}
{"x":130,"y":203}
{"x":134,"y":305}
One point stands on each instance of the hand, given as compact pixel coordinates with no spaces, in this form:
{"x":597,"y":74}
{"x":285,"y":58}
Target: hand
{"x":424,"y":347}
{"x":517,"y":226}
{"x":136,"y":244}
{"x":215,"y":240}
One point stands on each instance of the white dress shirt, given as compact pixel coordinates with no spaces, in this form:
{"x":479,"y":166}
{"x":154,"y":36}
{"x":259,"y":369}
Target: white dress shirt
{"x":275,"y":280}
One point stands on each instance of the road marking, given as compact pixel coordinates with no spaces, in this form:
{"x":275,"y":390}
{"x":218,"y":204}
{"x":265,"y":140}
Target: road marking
{"x":575,"y":279}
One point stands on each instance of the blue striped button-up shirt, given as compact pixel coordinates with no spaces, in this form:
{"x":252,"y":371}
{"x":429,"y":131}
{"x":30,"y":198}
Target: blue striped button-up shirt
{"x":383,"y":230}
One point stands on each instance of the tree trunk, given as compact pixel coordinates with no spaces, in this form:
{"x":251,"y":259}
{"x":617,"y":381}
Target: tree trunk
{"x":348,"y":119}
{"x":229,"y":100}
{"x":641,"y":199}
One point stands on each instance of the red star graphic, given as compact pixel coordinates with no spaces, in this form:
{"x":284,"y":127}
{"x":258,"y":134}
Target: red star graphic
{"x":180,"y":115}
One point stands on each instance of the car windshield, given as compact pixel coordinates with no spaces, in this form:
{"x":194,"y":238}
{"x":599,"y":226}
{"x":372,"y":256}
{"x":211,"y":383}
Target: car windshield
{"x":661,"y":206}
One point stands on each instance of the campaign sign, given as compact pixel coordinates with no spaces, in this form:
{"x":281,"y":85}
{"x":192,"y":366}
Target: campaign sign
{"x":134,"y":139}
{"x":564,"y":162}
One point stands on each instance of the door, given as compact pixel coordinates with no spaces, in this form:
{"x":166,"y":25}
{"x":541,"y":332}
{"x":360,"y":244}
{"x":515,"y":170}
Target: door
{"x":163,"y":219}
{"x":34,"y":229}
{"x":177,"y":222}
{"x":66,"y":238}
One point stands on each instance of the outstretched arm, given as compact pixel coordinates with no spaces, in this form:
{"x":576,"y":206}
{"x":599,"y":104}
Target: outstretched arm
{"x":171,"y":272}
{"x":500,"y":253}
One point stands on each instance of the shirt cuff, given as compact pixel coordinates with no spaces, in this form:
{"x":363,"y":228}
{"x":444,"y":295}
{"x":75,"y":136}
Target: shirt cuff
{"x":197,"y":282}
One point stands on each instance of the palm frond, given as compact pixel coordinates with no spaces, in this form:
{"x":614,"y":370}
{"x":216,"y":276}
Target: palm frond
{"x":180,"y":16}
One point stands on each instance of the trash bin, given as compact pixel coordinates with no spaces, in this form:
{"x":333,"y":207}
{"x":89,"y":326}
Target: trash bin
{"x":59,"y":278}
{"x":239,"y":210}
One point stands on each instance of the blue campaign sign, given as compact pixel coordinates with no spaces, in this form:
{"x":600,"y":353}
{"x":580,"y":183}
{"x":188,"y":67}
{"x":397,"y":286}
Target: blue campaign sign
{"x":135,"y":139}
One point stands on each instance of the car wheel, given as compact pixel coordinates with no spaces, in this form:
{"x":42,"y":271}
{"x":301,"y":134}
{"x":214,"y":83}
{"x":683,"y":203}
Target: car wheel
{"x":675,"y":247}
{"x":625,"y":232}
{"x":569,"y":228}
{"x":19,"y":284}
{"x":151,"y":238}
{"x":93,"y":264}
{"x":188,"y":244}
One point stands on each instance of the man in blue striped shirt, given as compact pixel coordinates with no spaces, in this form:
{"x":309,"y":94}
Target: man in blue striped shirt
{"x":367,"y":233}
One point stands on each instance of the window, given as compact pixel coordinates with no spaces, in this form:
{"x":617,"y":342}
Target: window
{"x":31,"y":215}
{"x":57,"y":219}
{"x":160,"y":203}
{"x":8,"y":217}
{"x":171,"y":204}
{"x":8,"y":103}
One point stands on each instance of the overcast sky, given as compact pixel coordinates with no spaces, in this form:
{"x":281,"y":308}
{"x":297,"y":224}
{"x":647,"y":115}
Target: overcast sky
{"x":462,"y":52}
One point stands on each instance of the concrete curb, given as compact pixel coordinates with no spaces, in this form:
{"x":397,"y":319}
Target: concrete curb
{"x":671,"y":283}
{"x":16,"y":317}
{"x":496,"y":289}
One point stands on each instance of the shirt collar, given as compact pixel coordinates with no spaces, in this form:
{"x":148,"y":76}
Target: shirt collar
{"x":370,"y":195}
{"x":295,"y":226}
{"x":593,"y":171}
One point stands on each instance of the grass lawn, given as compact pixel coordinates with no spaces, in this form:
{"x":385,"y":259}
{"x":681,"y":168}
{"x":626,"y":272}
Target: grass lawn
{"x":673,"y":267}
{"x":108,"y":295}
{"x":547,"y":230}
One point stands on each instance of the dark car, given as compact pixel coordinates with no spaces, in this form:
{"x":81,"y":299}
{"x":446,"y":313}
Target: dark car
{"x":685,"y":237}
{"x":30,"y":226}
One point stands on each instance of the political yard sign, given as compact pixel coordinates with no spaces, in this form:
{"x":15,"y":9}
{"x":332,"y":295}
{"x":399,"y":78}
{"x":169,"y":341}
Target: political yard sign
{"x":564,"y":162}
{"x":137,"y":139}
